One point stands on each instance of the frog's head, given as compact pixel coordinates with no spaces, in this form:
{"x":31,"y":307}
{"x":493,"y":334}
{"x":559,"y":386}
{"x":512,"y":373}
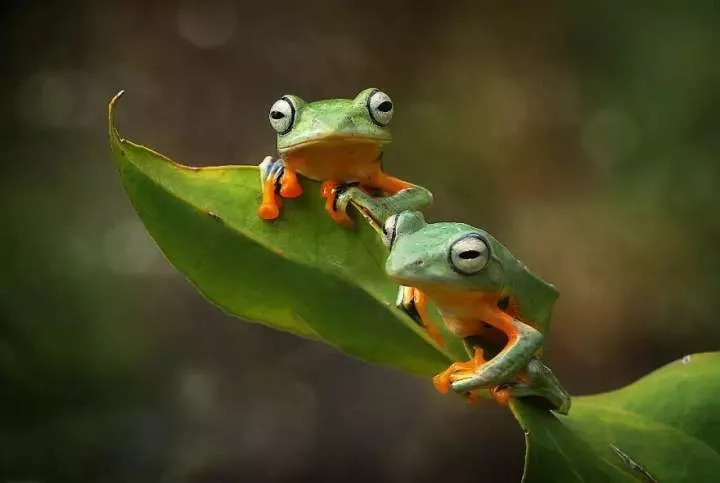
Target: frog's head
{"x":442,"y":256}
{"x":300,"y":124}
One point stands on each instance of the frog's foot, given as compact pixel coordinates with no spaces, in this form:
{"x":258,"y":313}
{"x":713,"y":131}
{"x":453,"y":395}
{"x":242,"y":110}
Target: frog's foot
{"x":501,"y":394}
{"x":536,"y":382}
{"x":270,"y":173}
{"x":539,"y":380}
{"x":458,"y":371}
{"x":289,"y":184}
{"x":330,"y":190}
{"x":414,"y":303}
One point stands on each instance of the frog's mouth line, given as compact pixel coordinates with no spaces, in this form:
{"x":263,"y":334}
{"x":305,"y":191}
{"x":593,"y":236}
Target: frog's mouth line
{"x":334,"y":140}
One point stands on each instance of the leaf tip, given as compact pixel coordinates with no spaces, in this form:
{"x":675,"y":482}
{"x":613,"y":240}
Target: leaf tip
{"x":114,"y":135}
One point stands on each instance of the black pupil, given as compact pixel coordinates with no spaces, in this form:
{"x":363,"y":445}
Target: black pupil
{"x":469,"y":254}
{"x":277,"y":115}
{"x":385,"y":106}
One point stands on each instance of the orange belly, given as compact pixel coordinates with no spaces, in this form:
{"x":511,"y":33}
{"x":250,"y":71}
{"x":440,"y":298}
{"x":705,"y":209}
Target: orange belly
{"x":462,"y":328}
{"x":344,"y":161}
{"x":467,"y":313}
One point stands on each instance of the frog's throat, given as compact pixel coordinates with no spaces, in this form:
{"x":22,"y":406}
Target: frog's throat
{"x":333,"y":140}
{"x":449,"y":297}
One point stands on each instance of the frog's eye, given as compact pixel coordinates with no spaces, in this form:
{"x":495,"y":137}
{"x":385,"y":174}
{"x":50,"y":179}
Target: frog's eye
{"x":282,"y":115}
{"x":380,"y":107}
{"x":469,"y":255}
{"x":390,"y":230}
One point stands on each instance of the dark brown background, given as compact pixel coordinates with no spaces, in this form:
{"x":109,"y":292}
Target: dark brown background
{"x":582,"y":134}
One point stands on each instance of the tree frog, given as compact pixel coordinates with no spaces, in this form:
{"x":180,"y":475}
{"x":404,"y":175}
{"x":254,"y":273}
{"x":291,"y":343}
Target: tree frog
{"x":477,"y":284}
{"x":337,"y":141}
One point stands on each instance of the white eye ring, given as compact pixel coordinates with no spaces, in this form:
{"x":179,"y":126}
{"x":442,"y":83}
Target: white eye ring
{"x":469,"y":255}
{"x":282,"y":115}
{"x":390,"y":230}
{"x":380,"y":107}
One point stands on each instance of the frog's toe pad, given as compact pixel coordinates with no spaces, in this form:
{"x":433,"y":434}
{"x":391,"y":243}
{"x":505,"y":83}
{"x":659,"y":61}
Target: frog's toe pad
{"x":442,"y":383}
{"x":501,"y":394}
{"x":268,"y":211}
{"x":290,"y":189}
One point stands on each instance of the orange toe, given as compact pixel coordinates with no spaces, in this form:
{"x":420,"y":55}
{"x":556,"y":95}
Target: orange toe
{"x":501,"y":396}
{"x":327,"y":187}
{"x":291,"y":190}
{"x":268,"y":212}
{"x":442,"y":383}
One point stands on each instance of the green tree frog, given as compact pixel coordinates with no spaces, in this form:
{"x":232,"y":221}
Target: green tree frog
{"x":477,"y":284}
{"x":336,"y":141}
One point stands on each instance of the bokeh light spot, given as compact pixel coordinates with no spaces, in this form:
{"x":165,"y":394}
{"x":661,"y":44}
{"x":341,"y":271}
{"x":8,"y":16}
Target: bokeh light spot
{"x":206,"y":25}
{"x":130,"y":251}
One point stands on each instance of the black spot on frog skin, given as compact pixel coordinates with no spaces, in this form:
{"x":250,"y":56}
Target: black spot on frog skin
{"x":278,"y":180}
{"x":503,"y":303}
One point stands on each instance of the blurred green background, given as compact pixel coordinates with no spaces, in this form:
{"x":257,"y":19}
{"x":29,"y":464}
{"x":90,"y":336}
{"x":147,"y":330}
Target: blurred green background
{"x":584,"y":135}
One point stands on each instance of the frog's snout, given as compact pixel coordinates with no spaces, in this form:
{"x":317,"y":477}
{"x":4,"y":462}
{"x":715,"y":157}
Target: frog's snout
{"x":404,"y":268}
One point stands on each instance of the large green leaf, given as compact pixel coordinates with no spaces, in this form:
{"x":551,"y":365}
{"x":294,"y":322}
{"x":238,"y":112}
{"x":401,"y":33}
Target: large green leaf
{"x":302,"y":273}
{"x":664,"y":427}
{"x":306,"y":275}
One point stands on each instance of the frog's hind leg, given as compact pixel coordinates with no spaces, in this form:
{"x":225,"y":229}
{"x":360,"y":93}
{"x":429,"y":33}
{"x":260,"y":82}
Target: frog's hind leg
{"x":538,"y":381}
{"x":270,"y":174}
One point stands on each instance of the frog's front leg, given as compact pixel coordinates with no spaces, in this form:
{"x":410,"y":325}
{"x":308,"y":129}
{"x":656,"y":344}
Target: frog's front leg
{"x":379,"y":209}
{"x":523,"y":343}
{"x":414,"y":303}
{"x":289,"y":183}
{"x":537,"y":381}
{"x":389,"y":184}
{"x":271,"y":172}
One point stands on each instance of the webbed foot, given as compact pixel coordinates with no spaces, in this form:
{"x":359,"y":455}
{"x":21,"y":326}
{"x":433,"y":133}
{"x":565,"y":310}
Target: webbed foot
{"x":537,"y":381}
{"x":501,"y":394}
{"x":458,"y":371}
{"x":540,"y":382}
{"x":270,"y":173}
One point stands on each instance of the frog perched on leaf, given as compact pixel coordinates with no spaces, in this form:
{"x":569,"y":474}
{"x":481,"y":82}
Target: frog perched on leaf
{"x":478,"y":287}
{"x":336,"y":141}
